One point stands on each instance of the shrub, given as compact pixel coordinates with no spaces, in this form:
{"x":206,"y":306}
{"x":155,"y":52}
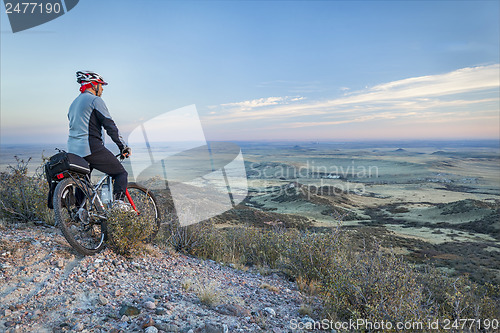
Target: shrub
{"x":352,"y":284}
{"x":458,"y":297}
{"x":127,"y":231}
{"x":374,"y":286}
{"x":183,"y":239}
{"x":22,"y":197}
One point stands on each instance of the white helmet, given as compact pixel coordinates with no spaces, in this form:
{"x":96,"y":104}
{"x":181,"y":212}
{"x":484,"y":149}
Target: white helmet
{"x":83,"y":77}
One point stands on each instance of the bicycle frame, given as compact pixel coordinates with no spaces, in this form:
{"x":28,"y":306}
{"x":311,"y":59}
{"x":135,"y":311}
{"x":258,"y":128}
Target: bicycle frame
{"x":99,"y":185}
{"x":86,"y":184}
{"x":96,"y":189}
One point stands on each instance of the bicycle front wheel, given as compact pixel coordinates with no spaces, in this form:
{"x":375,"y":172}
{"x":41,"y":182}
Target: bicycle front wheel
{"x":81,"y":223}
{"x":144,"y":202}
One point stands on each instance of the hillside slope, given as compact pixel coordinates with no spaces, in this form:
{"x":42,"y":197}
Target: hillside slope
{"x":46,"y":287}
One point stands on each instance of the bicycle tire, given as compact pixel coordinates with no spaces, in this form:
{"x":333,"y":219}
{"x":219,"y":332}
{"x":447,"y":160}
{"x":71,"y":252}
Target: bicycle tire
{"x":147,"y":206}
{"x":78,"y":219}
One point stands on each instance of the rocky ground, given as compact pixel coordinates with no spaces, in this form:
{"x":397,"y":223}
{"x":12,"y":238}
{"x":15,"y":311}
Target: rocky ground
{"x":47,"y":287}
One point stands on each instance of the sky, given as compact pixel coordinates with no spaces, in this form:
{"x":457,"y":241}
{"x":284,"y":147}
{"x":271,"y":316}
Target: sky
{"x":263,"y":70}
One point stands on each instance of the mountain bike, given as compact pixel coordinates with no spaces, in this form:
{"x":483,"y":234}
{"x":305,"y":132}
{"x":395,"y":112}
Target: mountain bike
{"x":81,"y":211}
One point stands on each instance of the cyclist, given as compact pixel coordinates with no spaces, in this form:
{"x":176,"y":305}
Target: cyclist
{"x":88,"y":116}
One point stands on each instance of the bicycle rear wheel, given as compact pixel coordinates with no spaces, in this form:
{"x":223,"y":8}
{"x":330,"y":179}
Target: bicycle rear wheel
{"x":146,"y":206}
{"x":81,"y":223}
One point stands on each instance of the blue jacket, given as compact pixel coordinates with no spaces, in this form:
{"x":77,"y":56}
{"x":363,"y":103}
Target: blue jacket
{"x":88,"y":116}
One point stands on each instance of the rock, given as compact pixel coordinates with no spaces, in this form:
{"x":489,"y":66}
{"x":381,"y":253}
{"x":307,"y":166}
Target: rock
{"x":269,"y":311}
{"x":149,"y":305}
{"x":148,"y":321}
{"x":80,"y":279}
{"x":160,"y":311}
{"x":60,"y":263}
{"x":124,"y":318}
{"x":129,"y":310}
{"x":78,"y":327}
{"x":233,"y":310}
{"x":103,"y":300}
{"x":7,"y":312}
{"x":169,"y":328}
{"x":36,"y":314}
{"x":213,"y":328}
{"x":9,"y":323}
{"x":100,"y":283}
{"x":151,"y":329}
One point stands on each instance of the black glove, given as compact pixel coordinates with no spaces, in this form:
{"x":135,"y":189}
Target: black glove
{"x":126,"y":152}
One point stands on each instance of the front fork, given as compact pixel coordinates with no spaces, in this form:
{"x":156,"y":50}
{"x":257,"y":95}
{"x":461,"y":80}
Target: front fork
{"x":129,"y":198}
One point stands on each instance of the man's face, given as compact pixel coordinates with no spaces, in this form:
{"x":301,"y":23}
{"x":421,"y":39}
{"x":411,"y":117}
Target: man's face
{"x":99,"y":90}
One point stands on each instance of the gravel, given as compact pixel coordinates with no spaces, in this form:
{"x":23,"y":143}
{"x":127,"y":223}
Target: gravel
{"x":45,"y":286}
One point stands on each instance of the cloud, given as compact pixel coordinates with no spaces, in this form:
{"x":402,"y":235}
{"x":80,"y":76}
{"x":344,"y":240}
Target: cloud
{"x":459,"y":81}
{"x":261,"y":102}
{"x":256,"y":103}
{"x":432,"y":95}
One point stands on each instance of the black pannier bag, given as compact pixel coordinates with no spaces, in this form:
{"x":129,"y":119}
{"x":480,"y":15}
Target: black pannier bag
{"x":64,"y":161}
{"x":59,"y":163}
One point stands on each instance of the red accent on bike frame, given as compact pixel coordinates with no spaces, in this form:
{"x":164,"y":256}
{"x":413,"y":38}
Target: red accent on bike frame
{"x":60,"y":176}
{"x":129,"y":198}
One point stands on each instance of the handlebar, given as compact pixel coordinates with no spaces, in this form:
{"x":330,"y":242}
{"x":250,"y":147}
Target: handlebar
{"x":121,"y":157}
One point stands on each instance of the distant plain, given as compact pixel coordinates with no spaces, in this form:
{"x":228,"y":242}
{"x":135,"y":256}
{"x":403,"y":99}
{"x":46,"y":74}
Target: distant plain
{"x":436,"y":202}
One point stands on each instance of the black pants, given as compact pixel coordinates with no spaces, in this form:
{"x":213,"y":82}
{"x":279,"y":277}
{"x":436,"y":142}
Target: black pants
{"x":104,"y":161}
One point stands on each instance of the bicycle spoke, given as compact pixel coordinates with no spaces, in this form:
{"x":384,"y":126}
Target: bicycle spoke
{"x":75,"y":216}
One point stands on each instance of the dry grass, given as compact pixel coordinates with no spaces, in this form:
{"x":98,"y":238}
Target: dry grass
{"x":269,"y":287}
{"x":305,"y":310}
{"x":308,"y":287}
{"x":210,"y":293}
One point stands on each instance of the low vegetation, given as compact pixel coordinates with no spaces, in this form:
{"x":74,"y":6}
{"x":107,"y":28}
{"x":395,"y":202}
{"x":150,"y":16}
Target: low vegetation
{"x":127,"y":231}
{"x":367,"y":283}
{"x":24,"y":198}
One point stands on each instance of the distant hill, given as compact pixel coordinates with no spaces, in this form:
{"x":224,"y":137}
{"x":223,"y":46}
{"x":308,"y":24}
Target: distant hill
{"x":466,"y":154}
